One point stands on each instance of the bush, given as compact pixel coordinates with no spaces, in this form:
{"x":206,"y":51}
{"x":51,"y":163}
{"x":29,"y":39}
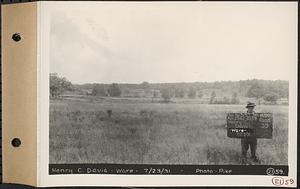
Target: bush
{"x":114,"y":90}
{"x":166,"y":95}
{"x":271,"y":98}
{"x":192,"y":92}
{"x":98,"y":90}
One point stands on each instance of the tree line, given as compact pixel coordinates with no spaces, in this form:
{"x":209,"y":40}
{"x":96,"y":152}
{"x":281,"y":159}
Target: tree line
{"x":267,"y":90}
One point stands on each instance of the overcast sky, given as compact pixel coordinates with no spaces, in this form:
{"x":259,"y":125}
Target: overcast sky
{"x":172,"y":42}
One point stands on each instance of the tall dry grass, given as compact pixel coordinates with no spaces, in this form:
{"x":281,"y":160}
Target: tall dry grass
{"x":82,"y":131}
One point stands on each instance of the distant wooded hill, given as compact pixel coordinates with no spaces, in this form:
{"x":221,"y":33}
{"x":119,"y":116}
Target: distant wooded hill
{"x":220,"y":92}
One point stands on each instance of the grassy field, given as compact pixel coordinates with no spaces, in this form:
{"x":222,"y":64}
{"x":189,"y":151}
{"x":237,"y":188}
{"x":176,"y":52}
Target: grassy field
{"x":140,"y":131}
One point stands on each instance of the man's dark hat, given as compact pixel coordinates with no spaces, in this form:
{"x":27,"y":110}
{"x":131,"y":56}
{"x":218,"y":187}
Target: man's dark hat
{"x":250,"y":104}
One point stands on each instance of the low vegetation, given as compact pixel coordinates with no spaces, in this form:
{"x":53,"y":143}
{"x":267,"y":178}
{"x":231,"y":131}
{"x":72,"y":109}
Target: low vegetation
{"x":91,"y":129}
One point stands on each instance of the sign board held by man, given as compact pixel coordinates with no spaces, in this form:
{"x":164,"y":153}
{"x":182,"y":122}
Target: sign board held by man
{"x":244,"y":125}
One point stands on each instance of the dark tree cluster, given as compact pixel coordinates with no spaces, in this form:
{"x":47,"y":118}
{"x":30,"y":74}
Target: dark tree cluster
{"x":58,"y":85}
{"x":268,"y":92}
{"x":106,"y":90}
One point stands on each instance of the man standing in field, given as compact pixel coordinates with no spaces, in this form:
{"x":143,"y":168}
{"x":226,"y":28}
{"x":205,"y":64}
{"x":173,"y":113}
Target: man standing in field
{"x":250,"y":141}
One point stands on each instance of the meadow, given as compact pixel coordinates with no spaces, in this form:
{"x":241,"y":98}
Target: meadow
{"x":138,"y":131}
